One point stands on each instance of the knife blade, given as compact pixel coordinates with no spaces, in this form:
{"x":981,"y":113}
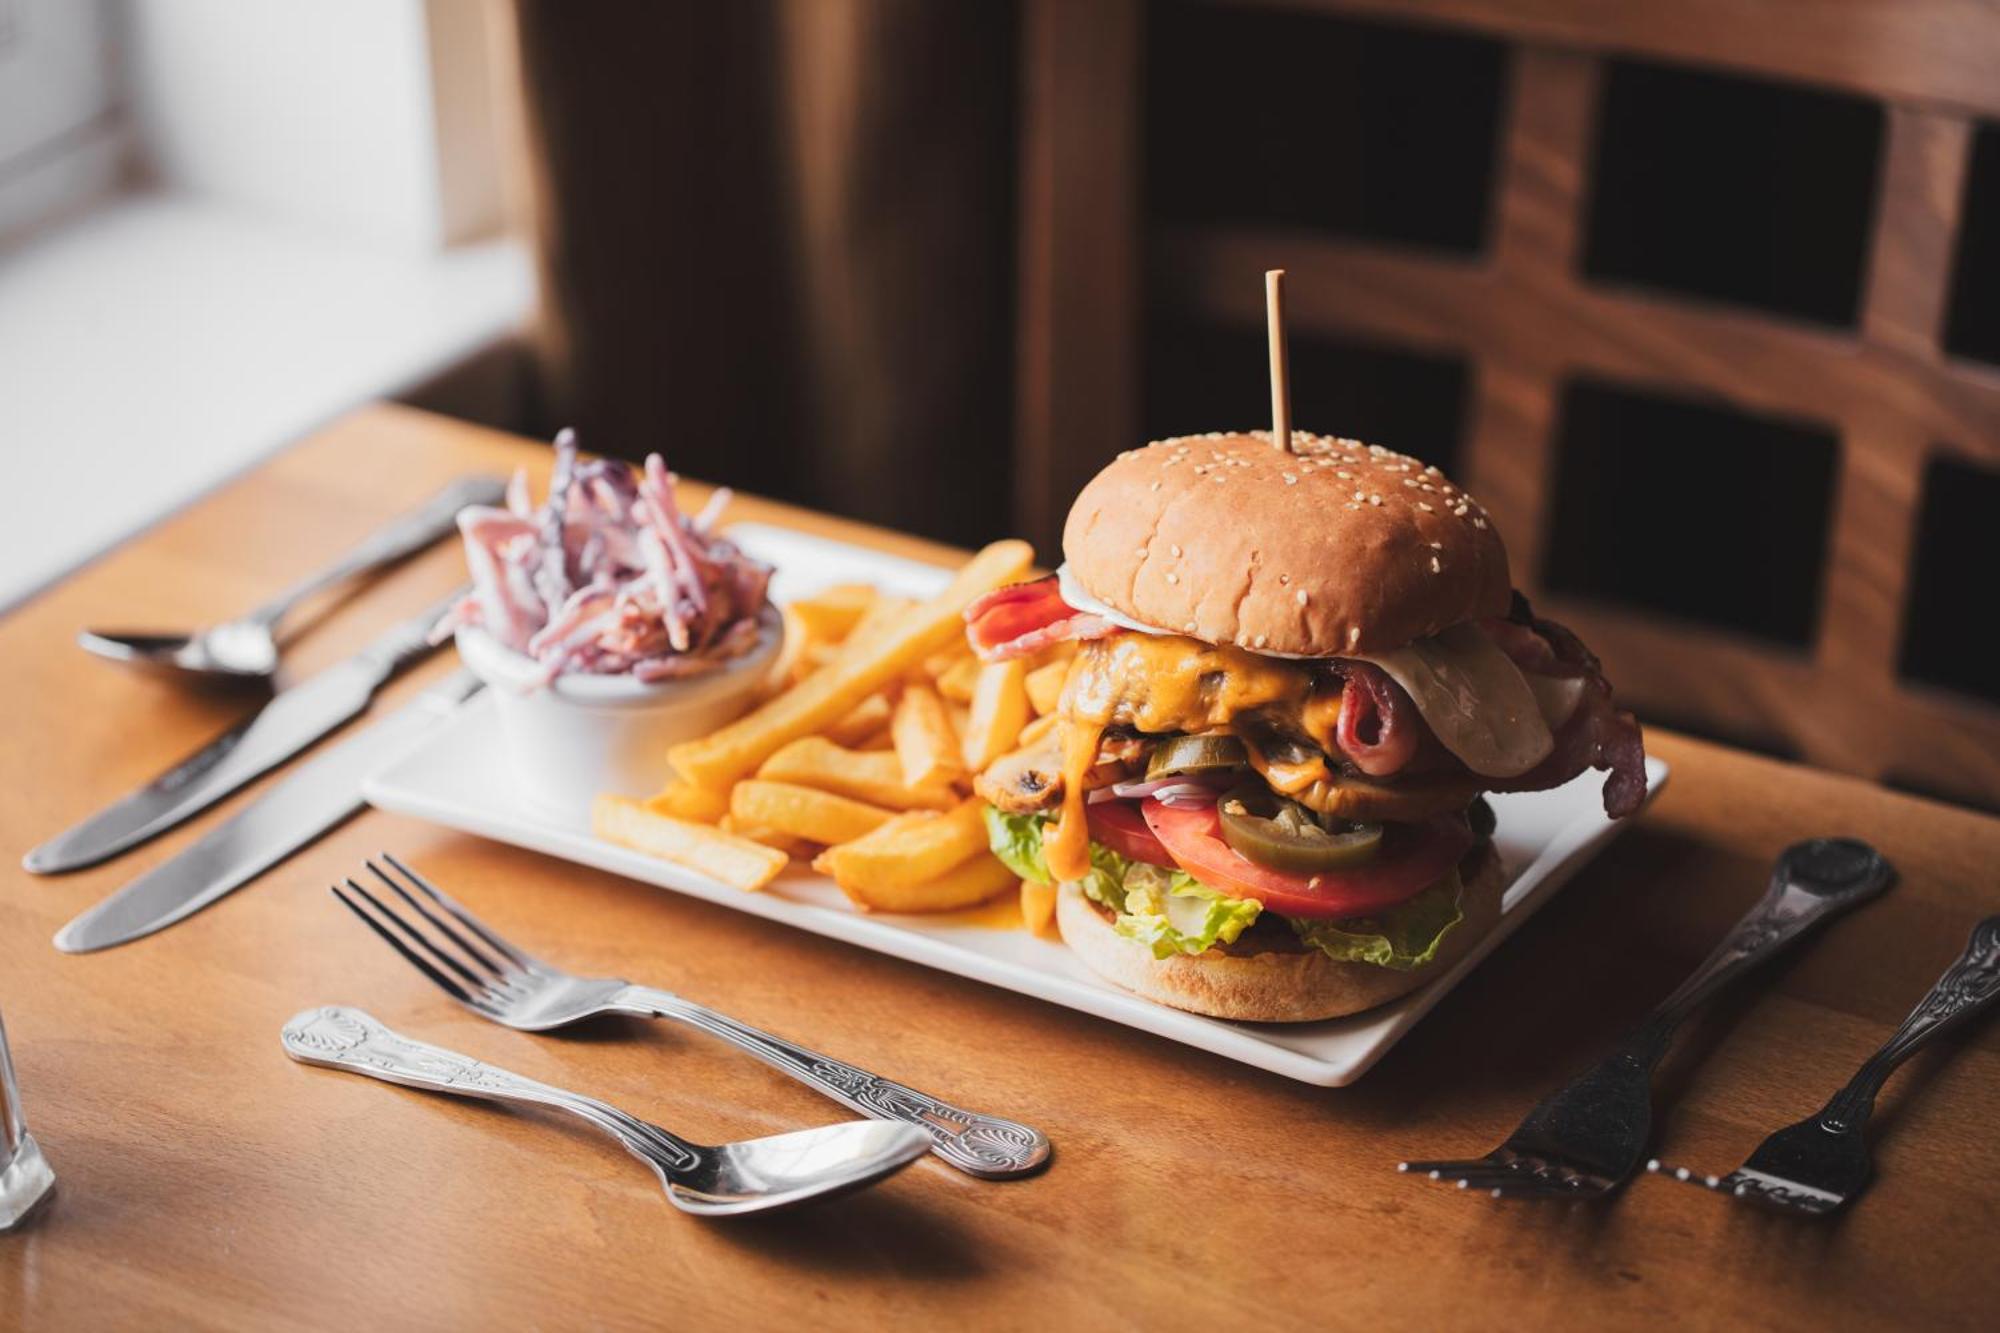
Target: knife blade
{"x":293,"y":719}
{"x":323,"y":794}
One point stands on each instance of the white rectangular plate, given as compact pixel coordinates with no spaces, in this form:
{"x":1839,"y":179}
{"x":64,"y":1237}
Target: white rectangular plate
{"x":458,"y":777}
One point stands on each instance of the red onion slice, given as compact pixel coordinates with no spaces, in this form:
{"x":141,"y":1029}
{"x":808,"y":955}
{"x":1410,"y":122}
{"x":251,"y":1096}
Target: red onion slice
{"x":1175,"y":790}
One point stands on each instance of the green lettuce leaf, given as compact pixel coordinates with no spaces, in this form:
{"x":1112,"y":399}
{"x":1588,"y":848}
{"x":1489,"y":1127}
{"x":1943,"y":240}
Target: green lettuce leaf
{"x":1169,"y":911}
{"x":1403,"y":938}
{"x":1017,"y":841}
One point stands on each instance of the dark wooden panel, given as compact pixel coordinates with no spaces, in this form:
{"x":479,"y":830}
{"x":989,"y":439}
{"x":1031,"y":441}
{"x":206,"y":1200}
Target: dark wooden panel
{"x":1942,"y":52}
{"x":1077,"y":348}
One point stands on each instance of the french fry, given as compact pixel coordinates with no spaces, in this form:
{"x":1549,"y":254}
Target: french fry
{"x":972,"y":882}
{"x":863,"y":720}
{"x":961,"y":718}
{"x":881,"y":615}
{"x":926,"y":746}
{"x":796,"y":848}
{"x":874,"y":776}
{"x":1038,"y":907}
{"x":802,"y":812}
{"x":959,"y":680}
{"x":790,"y":663}
{"x":940,"y":662}
{"x":909,"y":850}
{"x":881,"y":740}
{"x":1045,"y":684}
{"x":724,"y":856}
{"x":831,"y":616}
{"x":1034,"y":731}
{"x":681,"y":800}
{"x":865,"y":666}
{"x":999,"y":711}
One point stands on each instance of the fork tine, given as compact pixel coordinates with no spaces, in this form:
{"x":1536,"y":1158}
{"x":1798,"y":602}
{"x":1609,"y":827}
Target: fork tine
{"x":1443,"y":1167}
{"x":465,"y":945}
{"x":444,"y":983}
{"x":1683,"y":1174}
{"x":386,"y":913}
{"x":1494,"y":1178}
{"x":463,"y":913}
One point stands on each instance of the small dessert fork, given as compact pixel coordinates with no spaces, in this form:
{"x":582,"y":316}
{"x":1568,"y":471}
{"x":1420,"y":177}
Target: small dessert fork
{"x":1822,"y":1162}
{"x":495,"y":980}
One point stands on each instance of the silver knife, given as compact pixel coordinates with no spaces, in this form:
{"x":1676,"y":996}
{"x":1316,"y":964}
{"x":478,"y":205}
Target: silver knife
{"x":324,"y":793}
{"x":289,"y":723}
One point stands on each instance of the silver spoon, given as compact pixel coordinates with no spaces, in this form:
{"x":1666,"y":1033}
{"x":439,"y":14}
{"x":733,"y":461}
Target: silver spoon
{"x":245,"y":651}
{"x":753,"y":1176}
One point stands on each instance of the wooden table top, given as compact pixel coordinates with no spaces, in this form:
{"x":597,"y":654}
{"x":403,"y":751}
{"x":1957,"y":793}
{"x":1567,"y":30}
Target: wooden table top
{"x":203,"y":1177}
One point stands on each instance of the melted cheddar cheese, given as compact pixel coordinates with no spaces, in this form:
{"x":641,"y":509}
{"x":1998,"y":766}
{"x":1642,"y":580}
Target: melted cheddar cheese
{"x":1164,"y":683}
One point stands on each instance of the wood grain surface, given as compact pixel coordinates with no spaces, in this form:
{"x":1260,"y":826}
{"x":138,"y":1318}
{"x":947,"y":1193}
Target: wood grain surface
{"x":206,"y":1180}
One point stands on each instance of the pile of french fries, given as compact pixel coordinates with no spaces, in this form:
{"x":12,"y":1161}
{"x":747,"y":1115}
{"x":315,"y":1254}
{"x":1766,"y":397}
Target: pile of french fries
{"x":861,"y":757}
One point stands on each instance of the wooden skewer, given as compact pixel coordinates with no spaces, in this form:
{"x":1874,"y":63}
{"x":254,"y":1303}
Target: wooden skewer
{"x":1281,"y":376}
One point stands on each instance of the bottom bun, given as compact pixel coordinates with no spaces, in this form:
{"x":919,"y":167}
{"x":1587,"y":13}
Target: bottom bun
{"x":1275,"y":986}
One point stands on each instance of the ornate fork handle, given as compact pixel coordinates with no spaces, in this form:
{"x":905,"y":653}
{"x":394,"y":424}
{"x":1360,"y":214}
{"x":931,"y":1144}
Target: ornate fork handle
{"x":1967,"y":987}
{"x":1813,"y":880}
{"x":343,"y":1038}
{"x":980,"y":1145}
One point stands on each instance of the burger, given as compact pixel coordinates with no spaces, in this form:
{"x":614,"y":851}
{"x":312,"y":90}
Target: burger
{"x":1295,"y":675}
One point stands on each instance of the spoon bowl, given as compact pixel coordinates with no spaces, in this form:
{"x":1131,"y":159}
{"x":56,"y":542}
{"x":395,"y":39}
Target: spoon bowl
{"x":784,"y":1170}
{"x":244,"y":651}
{"x":237,"y":652}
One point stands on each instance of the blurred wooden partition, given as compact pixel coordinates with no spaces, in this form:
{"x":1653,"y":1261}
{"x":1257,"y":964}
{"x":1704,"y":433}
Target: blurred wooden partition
{"x":1760,"y":478}
{"x":775,"y":241}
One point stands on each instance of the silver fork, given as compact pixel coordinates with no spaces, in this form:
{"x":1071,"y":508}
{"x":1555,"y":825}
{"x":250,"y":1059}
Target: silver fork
{"x":1822,"y":1162}
{"x":1587,"y":1136}
{"x":494,"y":979}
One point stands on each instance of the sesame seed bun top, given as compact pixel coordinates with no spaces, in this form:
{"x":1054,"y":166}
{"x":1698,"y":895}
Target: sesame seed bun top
{"x":1335,"y":549}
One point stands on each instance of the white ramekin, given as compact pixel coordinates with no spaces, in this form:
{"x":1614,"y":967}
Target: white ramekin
{"x":585,"y":734}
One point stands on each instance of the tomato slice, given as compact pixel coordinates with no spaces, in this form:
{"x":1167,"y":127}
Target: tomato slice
{"x":1412,"y":858}
{"x":1120,"y":826}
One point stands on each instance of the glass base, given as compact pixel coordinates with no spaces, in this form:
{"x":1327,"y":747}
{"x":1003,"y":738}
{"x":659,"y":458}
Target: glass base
{"x":24,"y":1181}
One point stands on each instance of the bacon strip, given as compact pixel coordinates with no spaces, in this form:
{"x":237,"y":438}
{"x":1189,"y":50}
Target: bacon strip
{"x":1375,"y":731}
{"x":1598,"y":735}
{"x":1022,"y":618}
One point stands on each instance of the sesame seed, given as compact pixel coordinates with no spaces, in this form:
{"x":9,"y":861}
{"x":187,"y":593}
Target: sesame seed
{"x":1218,"y":479}
{"x":1460,"y":511}
{"x":1409,"y":481}
{"x":1156,"y":486}
{"x":1478,"y":522}
{"x":1301,"y":595}
{"x":1436,"y":546}
{"x":1173,"y":577}
{"x":1436,"y":568}
{"x":1432,"y":472}
{"x":1176,"y":550}
{"x":1343,"y":474}
{"x":1426,"y":508}
{"x":1262,"y":639}
{"x":1375,"y":500}
{"x":1141,"y":553}
{"x":1353,"y":635}
{"x":1290,"y":480}
{"x":1359,"y":496}
{"x":1188,"y":628}
{"x":1284,"y":578}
